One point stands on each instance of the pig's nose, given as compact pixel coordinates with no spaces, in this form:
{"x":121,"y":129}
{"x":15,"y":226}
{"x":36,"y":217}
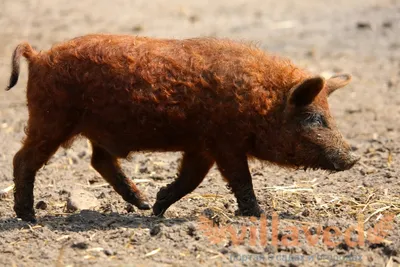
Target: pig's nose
{"x":346,"y":161}
{"x":353,"y":159}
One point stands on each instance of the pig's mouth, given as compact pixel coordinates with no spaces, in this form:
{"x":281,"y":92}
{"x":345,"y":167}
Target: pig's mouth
{"x":341,"y":163}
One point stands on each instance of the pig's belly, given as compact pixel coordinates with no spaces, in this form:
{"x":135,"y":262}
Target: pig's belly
{"x":120,"y":137}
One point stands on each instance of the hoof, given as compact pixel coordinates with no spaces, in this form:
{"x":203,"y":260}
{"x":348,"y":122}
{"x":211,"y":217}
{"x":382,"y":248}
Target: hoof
{"x":28,"y":218}
{"x":138,"y":200}
{"x":27,"y":215}
{"x":158,"y":210}
{"x":143,"y":205}
{"x":254,"y":212}
{"x":163,"y":201}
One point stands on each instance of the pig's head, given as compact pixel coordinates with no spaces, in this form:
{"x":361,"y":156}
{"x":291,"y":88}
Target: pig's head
{"x":306,"y":133}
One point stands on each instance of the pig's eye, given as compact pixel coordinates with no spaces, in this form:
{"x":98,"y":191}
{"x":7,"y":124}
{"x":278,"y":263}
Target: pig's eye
{"x":315,"y":119}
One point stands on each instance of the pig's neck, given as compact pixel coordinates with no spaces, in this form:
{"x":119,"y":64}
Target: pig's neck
{"x":271,"y":141}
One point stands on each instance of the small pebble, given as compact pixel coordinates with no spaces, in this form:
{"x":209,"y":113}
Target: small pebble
{"x":63,"y":192}
{"x":155,"y":230}
{"x":270,"y":249}
{"x":109,"y":252}
{"x":82,"y":154}
{"x":80,"y":199}
{"x":224,"y":250}
{"x":101,"y":195}
{"x":137,"y":28}
{"x":310,"y":53}
{"x":363,"y":25}
{"x":143,"y":169}
{"x":129,"y":208}
{"x":366,"y":184}
{"x":80,"y":245}
{"x":305,"y":250}
{"x":70,"y":207}
{"x":194,"y":19}
{"x":108,"y":207}
{"x":41,"y":205}
{"x":255,"y":250}
{"x":387,"y":24}
{"x":305,"y":213}
{"x":191,"y":230}
{"x":209,"y":213}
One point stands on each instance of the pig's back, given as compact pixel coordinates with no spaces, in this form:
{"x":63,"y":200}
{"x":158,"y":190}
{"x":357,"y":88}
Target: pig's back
{"x":146,"y":71}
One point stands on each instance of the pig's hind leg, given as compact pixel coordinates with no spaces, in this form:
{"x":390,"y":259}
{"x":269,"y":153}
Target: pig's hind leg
{"x":46,"y":131}
{"x":234,"y":168}
{"x":194,"y":167}
{"x":108,"y":167}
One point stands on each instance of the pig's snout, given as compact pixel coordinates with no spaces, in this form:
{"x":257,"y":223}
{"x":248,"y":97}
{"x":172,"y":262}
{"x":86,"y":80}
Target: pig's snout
{"x":351,"y":159}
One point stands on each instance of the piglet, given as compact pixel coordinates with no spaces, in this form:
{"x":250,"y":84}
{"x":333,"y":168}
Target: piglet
{"x":217,"y":101}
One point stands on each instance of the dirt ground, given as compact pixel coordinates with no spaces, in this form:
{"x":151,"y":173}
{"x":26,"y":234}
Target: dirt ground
{"x":361,"y":37}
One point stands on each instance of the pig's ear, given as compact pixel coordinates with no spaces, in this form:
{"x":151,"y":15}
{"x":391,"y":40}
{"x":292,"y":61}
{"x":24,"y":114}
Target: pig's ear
{"x":337,"y":81}
{"x":304,"y":93}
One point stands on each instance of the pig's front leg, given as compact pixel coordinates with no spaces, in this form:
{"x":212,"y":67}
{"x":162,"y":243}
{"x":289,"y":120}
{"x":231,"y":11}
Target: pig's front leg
{"x":235,"y":170}
{"x":194,"y":167}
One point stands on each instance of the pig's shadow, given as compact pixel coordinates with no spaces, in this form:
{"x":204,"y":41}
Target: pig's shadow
{"x":87,"y":220}
{"x":92,"y":220}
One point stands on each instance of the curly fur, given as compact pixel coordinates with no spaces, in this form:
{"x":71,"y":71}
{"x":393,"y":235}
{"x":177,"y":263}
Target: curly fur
{"x":209,"y":98}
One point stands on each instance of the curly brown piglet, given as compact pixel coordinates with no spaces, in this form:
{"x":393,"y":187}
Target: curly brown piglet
{"x":217,"y":101}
